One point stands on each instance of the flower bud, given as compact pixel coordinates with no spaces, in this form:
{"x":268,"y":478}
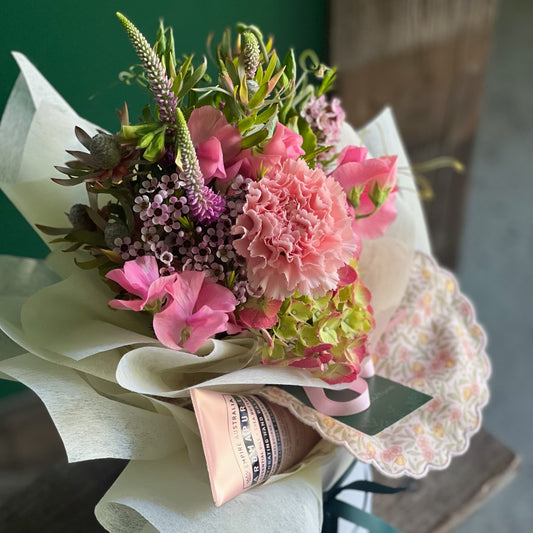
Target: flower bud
{"x":105,"y":151}
{"x":79,"y":217}
{"x":115,"y":230}
{"x":378,"y":196}
{"x":251,"y":53}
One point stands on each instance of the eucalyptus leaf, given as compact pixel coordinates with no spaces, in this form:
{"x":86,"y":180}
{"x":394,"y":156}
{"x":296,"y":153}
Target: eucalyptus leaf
{"x":243,"y":90}
{"x":246,"y":123}
{"x":232,"y":72}
{"x":86,"y":237}
{"x":266,"y":115}
{"x":259,"y":96}
{"x":308,"y":136}
{"x":155,"y":148}
{"x":254,"y":139}
{"x":290,"y":63}
{"x":93,"y":263}
{"x":271,"y":66}
{"x":195,"y":77}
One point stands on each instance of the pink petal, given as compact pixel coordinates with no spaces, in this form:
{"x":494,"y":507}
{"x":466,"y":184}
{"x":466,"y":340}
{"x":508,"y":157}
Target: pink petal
{"x":168,"y":325}
{"x":204,"y":122}
{"x":127,"y":305}
{"x":239,"y":166}
{"x":136,"y":276}
{"x":256,"y":319}
{"x":159,"y":288}
{"x":211,"y":159}
{"x":232,"y":326}
{"x":216,"y":297}
{"x":205,"y":323}
{"x":185,"y":290}
{"x":305,"y":362}
{"x":352,"y":154}
{"x":376,"y":225}
{"x":347,"y":275}
{"x":285,"y":143}
{"x":381,"y":171}
{"x":197,"y":305}
{"x":260,"y":313}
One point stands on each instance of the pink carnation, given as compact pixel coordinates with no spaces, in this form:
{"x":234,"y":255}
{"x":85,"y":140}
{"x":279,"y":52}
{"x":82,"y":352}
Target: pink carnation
{"x":296,"y":232}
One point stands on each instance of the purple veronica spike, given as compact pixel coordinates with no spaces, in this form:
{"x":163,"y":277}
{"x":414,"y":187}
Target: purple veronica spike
{"x":157,"y":78}
{"x":206,"y":206}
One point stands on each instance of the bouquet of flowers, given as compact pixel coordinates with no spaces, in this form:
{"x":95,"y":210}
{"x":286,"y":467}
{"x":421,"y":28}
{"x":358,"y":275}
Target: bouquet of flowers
{"x":241,"y":246}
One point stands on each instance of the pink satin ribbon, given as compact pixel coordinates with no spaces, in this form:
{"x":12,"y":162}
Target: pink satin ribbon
{"x":330,"y":407}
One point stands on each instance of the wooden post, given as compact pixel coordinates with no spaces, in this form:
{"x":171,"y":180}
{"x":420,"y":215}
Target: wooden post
{"x":427,"y":59}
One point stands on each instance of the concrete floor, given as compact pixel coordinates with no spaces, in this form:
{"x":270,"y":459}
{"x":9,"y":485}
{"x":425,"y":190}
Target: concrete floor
{"x":497,"y":256}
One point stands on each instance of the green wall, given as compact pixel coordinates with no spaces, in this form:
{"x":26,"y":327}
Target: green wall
{"x":80,"y":47}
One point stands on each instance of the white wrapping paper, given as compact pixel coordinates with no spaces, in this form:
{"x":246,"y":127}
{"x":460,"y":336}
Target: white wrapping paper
{"x":93,"y":367}
{"x":38,"y":118}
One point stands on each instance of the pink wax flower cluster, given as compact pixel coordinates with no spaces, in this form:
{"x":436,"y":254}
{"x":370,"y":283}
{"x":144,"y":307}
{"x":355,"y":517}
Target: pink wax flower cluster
{"x":325,"y":117}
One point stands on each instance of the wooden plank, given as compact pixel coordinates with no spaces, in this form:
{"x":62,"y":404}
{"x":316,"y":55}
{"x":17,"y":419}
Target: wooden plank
{"x":427,"y":59}
{"x":28,"y":438}
{"x":62,"y":499}
{"x":444,"y":499}
{"x":29,"y":442}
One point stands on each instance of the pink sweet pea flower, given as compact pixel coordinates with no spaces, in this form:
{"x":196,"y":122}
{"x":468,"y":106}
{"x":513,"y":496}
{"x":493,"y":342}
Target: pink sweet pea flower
{"x":352,"y":154}
{"x":196,"y":309}
{"x":217,"y":143}
{"x":284,"y":144}
{"x":353,"y":170}
{"x":140,"y":277}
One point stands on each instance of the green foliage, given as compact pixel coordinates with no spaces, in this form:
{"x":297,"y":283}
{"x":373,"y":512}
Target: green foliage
{"x":254,"y":88}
